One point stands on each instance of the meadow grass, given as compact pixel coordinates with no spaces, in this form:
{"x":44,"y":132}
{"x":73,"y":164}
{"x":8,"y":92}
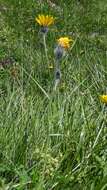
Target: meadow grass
{"x":53,"y":140}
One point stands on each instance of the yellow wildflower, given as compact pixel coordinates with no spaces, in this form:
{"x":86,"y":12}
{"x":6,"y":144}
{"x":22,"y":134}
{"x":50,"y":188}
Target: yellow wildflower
{"x":64,"y":42}
{"x":103,"y":98}
{"x":44,"y":20}
{"x":50,"y":66}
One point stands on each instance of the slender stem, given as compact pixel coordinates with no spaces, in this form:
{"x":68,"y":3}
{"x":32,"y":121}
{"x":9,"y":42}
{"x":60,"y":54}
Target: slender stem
{"x":98,"y":135}
{"x":45,"y":48}
{"x":57,"y":63}
{"x":57,"y":74}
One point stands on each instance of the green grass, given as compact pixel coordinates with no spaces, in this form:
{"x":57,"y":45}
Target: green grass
{"x":53,"y":140}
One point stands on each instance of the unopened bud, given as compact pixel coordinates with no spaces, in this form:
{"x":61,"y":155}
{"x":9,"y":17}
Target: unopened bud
{"x":59,"y":51}
{"x":58,"y":74}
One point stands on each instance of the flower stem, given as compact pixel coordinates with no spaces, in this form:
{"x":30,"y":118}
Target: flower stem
{"x":57,"y":74}
{"x":45,"y":48}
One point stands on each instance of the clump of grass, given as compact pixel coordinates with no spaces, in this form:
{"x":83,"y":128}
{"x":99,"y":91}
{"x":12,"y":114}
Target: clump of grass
{"x":53,"y":140}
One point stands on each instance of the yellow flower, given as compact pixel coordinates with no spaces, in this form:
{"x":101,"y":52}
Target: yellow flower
{"x":50,"y":66}
{"x":103,"y":98}
{"x":44,"y":20}
{"x":64,"y":42}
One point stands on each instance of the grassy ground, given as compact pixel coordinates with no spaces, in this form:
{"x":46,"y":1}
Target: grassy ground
{"x":53,"y":140}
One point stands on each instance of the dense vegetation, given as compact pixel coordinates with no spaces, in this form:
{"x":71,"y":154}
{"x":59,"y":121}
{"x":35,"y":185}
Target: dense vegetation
{"x":53,"y":140}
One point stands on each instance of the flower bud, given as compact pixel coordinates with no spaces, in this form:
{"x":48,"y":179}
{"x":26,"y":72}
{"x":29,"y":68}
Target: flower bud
{"x":59,"y":52}
{"x":57,"y":74}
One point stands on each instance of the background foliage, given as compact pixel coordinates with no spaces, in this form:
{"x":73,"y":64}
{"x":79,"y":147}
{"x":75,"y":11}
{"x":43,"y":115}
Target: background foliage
{"x":61,"y":142}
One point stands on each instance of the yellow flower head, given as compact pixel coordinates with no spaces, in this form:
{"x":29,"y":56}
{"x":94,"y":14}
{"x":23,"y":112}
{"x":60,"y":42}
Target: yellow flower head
{"x":103,"y":98}
{"x":50,"y":66}
{"x":45,"y":21}
{"x":64,"y":42}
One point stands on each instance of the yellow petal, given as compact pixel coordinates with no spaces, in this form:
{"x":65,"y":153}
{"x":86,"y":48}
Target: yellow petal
{"x":38,"y":21}
{"x":44,"y":20}
{"x":51,"y":21}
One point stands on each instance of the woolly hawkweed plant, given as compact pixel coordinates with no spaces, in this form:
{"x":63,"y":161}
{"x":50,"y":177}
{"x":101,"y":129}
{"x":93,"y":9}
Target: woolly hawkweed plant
{"x":63,"y":44}
{"x":45,"y":21}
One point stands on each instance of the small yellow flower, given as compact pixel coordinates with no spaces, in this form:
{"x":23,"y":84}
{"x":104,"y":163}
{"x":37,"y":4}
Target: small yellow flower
{"x":50,"y":66}
{"x":103,"y":98}
{"x":44,"y":20}
{"x":64,"y":42}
